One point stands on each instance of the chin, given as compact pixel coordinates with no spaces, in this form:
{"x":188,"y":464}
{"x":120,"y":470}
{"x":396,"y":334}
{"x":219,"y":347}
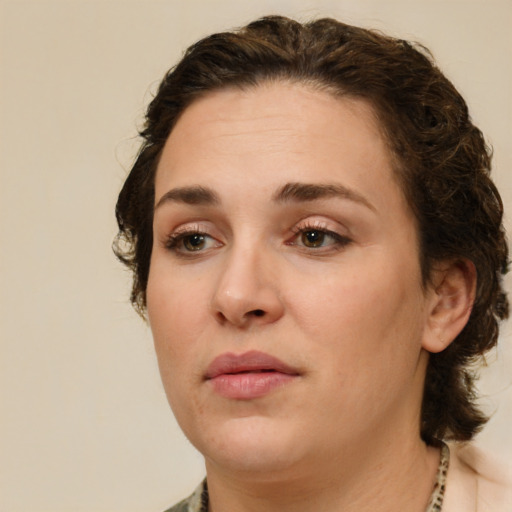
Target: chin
{"x":251,"y":445}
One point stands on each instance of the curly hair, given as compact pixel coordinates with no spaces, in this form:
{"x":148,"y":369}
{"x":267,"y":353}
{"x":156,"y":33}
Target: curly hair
{"x":440,"y":157}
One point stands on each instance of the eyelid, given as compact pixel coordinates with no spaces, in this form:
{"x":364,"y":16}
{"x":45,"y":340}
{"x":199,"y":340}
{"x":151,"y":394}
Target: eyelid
{"x":184,"y":230}
{"x":190,"y":227}
{"x":339,"y":240}
{"x":321,"y":224}
{"x":174,"y":240}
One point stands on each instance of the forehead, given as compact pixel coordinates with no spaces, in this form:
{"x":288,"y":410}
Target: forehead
{"x":273,"y":133}
{"x":283,"y":107}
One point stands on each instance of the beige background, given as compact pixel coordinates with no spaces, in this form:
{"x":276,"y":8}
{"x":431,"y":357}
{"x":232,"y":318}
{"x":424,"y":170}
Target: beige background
{"x":84,"y":425}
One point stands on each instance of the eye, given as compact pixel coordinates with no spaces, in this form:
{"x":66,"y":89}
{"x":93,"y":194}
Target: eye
{"x":318,"y":237}
{"x":313,"y":237}
{"x":194,"y":242}
{"x":190,"y":242}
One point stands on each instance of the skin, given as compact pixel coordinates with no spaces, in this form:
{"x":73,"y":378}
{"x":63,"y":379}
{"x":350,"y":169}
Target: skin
{"x":349,"y":315}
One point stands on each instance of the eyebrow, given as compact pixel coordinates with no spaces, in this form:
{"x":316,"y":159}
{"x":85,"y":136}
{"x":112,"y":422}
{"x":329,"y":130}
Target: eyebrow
{"x":300,"y":192}
{"x":195,"y":195}
{"x":291,"y":192}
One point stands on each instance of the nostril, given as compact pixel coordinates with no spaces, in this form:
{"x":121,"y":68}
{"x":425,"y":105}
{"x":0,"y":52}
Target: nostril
{"x":221,"y":317}
{"x":258,"y":312}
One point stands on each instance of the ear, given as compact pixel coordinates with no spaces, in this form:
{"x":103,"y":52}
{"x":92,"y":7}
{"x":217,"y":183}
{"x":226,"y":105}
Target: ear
{"x":452,"y":294}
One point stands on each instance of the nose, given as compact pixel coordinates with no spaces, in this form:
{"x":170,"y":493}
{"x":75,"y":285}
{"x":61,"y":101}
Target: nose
{"x":247,"y":290}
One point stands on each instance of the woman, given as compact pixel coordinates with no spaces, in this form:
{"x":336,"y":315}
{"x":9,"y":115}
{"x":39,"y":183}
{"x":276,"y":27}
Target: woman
{"x":319,"y":249}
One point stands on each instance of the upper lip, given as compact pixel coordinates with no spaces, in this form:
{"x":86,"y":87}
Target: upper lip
{"x":251,"y":361}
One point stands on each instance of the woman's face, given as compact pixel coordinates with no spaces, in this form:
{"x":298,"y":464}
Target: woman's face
{"x":284,"y":292}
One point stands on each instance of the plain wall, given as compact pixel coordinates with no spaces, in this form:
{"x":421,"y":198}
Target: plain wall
{"x":84,"y":423}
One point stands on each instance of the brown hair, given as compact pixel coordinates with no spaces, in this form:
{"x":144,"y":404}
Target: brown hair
{"x":440,"y":157}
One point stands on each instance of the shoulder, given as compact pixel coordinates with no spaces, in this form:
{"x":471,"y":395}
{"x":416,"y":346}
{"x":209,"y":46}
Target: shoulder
{"x":477,"y":481}
{"x":182,"y":506}
{"x":196,"y":502}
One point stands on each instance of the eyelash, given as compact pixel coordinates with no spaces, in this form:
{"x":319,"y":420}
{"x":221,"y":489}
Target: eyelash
{"x":339,"y":241}
{"x":174,"y":242}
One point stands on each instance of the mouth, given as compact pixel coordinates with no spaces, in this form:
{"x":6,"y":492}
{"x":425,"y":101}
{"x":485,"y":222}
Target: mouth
{"x":248,"y":362}
{"x":249,"y":375}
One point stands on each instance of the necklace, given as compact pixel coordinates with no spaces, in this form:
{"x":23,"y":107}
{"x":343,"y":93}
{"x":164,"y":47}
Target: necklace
{"x":435,"y":503}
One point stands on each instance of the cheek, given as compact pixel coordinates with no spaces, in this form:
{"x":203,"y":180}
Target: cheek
{"x":175,"y":307}
{"x":346,"y":296}
{"x":361,"y":313}
{"x":366,"y":334}
{"x":172,"y":313}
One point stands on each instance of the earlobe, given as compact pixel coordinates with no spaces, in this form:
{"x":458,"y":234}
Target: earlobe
{"x":452,"y":297}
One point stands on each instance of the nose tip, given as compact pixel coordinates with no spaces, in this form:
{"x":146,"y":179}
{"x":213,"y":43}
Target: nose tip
{"x":244,"y":297}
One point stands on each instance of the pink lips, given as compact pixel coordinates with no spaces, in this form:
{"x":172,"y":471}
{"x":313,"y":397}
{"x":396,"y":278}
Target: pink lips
{"x":247,"y":376}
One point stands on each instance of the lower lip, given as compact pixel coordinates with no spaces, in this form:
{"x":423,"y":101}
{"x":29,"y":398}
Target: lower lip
{"x":247,"y":386}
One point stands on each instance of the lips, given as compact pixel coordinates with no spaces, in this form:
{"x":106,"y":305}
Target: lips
{"x":249,"y":375}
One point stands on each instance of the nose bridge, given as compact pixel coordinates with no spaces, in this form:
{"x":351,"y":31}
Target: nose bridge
{"x":247,"y":288}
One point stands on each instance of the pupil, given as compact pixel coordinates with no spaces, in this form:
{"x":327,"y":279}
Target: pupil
{"x":194,"y":242}
{"x":313,"y":238}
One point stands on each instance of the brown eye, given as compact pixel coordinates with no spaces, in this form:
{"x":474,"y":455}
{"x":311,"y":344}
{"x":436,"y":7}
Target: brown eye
{"x":194,"y":242}
{"x":313,"y":238}
{"x":184,"y":244}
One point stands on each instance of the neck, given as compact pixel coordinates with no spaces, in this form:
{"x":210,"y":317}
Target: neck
{"x":399,"y":476}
